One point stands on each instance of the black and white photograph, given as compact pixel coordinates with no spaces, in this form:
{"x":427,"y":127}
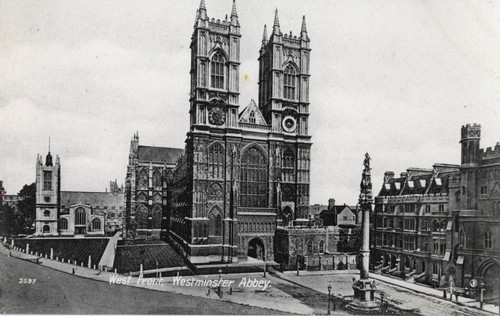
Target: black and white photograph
{"x":237,"y":157}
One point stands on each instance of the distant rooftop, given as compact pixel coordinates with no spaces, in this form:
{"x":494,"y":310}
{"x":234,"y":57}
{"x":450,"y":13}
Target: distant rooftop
{"x":159,"y":154}
{"x":94,"y":199}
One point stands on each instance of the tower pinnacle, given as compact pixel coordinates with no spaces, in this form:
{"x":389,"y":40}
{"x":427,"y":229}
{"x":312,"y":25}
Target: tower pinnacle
{"x":303,"y":30}
{"x":276,"y":28}
{"x":202,"y":10}
{"x":233,"y":11}
{"x":264,"y":36}
{"x":234,"y":14}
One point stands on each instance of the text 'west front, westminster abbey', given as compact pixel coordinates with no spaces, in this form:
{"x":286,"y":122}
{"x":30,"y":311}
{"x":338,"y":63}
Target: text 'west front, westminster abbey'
{"x":243,"y":175}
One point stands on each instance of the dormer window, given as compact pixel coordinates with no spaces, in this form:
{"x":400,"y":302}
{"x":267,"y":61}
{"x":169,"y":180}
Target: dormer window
{"x":411,"y":184}
{"x":422,"y":183}
{"x":398,"y":185}
{"x":387,"y":186}
{"x":438,"y":182}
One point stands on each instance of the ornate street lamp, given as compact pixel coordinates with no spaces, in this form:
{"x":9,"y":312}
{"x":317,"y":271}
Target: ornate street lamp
{"x":329,"y":291}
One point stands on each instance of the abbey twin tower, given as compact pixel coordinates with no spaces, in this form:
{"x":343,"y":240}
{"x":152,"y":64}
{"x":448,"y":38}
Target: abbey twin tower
{"x":244,"y":174}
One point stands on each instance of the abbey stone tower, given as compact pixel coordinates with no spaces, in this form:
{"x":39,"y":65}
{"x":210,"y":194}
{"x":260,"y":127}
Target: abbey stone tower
{"x":244,"y":173}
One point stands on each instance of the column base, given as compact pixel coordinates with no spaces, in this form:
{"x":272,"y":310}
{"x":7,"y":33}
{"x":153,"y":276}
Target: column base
{"x":364,"y":297}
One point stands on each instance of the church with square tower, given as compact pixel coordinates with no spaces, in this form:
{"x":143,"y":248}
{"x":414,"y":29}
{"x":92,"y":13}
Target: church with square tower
{"x":244,"y":173}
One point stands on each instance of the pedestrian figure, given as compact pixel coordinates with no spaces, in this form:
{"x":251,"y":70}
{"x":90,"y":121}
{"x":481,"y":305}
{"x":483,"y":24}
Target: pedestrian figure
{"x":208,"y":292}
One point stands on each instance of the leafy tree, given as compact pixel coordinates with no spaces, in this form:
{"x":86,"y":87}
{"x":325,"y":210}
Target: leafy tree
{"x":26,"y":208}
{"x":9,"y":221}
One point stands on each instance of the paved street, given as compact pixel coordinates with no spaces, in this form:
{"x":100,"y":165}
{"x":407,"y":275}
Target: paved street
{"x":56,"y":292}
{"x":402,"y":297}
{"x":89,"y":291}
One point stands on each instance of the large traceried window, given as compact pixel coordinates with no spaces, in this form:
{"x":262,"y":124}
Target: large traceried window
{"x":217,"y":71}
{"x":289,"y":83}
{"x":253,"y":179}
{"x":80,"y":218}
{"x":288,"y":163}
{"x":47,"y":180}
{"x":216,"y":161}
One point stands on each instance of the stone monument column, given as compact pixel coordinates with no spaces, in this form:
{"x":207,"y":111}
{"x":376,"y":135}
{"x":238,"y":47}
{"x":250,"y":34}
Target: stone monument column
{"x":364,"y":288}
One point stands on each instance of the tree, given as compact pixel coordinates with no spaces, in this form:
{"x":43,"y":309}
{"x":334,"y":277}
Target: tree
{"x":26,"y":208}
{"x":9,"y":221}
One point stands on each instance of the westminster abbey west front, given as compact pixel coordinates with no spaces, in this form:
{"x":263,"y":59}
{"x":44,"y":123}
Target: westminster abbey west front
{"x":244,"y":173}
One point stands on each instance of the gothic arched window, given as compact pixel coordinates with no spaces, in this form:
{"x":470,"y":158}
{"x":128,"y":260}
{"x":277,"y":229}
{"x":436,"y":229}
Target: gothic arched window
{"x":141,"y":216}
{"x":217,"y":71}
{"x":63,"y":224}
{"x":253,"y":179}
{"x":288,"y":163}
{"x":96,"y":224}
{"x":216,"y":161}
{"x":80,"y":218}
{"x":215,"y":223}
{"x":46,"y":228}
{"x":321,"y":246}
{"x":157,"y":215}
{"x":143,"y":179}
{"x":157,"y":179}
{"x":487,"y":239}
{"x":46,"y":213}
{"x":289,"y":83}
{"x":309,"y":246}
{"x":142,"y":197}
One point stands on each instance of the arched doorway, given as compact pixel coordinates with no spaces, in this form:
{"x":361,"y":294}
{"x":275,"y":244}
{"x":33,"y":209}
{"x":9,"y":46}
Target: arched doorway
{"x":256,"y":249}
{"x":489,"y":271}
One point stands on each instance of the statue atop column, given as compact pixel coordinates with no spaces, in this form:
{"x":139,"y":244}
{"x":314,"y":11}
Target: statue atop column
{"x":366,"y":196}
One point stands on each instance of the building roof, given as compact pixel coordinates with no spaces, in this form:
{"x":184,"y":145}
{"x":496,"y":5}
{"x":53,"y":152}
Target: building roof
{"x":94,"y":199}
{"x":337,"y":209}
{"x":159,"y":154}
{"x":425,"y":181}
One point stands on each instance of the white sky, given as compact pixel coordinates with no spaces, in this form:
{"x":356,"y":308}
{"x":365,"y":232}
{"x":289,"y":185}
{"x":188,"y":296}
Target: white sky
{"x":396,"y":79}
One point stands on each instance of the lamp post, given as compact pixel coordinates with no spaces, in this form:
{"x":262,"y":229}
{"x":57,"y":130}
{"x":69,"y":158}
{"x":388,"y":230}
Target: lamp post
{"x":382,"y":294}
{"x":219,"y":288}
{"x":482,"y":286}
{"x":329,"y":290}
